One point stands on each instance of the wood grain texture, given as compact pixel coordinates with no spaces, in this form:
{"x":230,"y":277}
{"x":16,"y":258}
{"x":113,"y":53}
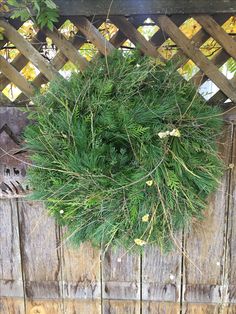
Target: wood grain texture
{"x":12,"y":157}
{"x":82,"y":307}
{"x":44,"y":307}
{"x":12,"y":305}
{"x":200,"y":308}
{"x":81,"y":278}
{"x":161,"y":275}
{"x":204,"y":265}
{"x":11,"y":283}
{"x":231,"y":231}
{"x":41,"y":259}
{"x":152,"y":307}
{"x":121,"y":282}
{"x":121,"y":307}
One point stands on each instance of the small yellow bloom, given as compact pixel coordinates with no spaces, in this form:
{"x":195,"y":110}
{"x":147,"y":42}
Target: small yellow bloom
{"x":149,"y":182}
{"x":140,"y":242}
{"x":163,"y":134}
{"x":145,"y":218}
{"x":231,"y":166}
{"x":175,"y":132}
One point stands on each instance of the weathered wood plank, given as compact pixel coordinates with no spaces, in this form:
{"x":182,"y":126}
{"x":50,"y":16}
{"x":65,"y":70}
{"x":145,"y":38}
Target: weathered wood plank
{"x":10,"y":258}
{"x":201,"y":61}
{"x":200,"y":308}
{"x":28,"y":50}
{"x":152,"y":307}
{"x":121,"y":282}
{"x":11,"y":305}
{"x":15,"y":77}
{"x":231,"y":232}
{"x":12,"y":157}
{"x":81,"y":278}
{"x":119,"y":7}
{"x":160,"y":36}
{"x":81,"y":306}
{"x":198,"y":39}
{"x":93,"y":35}
{"x":217,"y":32}
{"x":218,"y":59}
{"x":11,"y":283}
{"x":67,"y":48}
{"x":121,"y":307}
{"x":135,"y":36}
{"x":204,"y":266}
{"x":20,"y":61}
{"x":45,"y":307}
{"x":41,"y":259}
{"x":161,"y":278}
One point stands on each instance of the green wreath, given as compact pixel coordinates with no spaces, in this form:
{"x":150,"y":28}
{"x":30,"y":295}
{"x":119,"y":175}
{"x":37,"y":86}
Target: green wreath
{"x":125,"y":153}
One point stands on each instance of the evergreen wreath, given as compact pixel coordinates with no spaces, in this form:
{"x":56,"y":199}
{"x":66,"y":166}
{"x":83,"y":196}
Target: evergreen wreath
{"x":125,"y":153}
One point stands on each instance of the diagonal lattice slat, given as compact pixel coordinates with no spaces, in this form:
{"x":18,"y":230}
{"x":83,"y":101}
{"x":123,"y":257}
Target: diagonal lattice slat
{"x":125,"y":28}
{"x":218,"y":34}
{"x":202,"y":62}
{"x":28,"y":50}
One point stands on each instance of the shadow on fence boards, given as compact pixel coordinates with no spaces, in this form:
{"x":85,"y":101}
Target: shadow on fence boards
{"x":39,"y":272}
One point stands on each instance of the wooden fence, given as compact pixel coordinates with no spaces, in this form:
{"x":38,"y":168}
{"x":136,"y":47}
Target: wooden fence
{"x":126,"y":28}
{"x":40,"y":272}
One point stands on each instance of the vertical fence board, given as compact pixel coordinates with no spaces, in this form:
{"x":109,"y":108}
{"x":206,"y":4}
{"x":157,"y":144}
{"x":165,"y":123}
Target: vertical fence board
{"x":41,"y":259}
{"x":121,"y":307}
{"x":121,"y":282}
{"x":231,"y":234}
{"x":11,"y":284}
{"x":204,"y":264}
{"x":153,"y":307}
{"x":161,"y":281}
{"x":81,"y":279}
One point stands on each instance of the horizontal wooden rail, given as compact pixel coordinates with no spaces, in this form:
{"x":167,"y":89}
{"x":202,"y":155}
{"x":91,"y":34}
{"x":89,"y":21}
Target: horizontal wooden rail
{"x":128,"y":7}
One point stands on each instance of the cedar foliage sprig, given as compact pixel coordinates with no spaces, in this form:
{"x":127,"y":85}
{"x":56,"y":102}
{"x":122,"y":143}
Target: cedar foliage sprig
{"x":125,"y":153}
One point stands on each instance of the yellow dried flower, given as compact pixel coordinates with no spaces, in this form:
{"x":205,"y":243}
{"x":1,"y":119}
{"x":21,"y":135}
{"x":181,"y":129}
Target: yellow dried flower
{"x":139,"y":242}
{"x":149,"y":182}
{"x":163,"y":134}
{"x":175,"y":132}
{"x":145,"y":218}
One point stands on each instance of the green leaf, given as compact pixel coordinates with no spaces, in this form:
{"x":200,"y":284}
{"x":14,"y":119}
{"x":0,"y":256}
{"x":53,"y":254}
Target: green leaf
{"x":13,"y":3}
{"x":50,"y":4}
{"x":23,"y":14}
{"x":50,"y":25}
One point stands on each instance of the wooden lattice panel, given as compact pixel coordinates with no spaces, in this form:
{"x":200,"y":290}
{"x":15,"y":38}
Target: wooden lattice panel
{"x":104,"y":35}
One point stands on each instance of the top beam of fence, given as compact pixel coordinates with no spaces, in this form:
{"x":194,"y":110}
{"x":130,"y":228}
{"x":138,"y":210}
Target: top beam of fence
{"x":133,"y":7}
{"x":130,"y":7}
